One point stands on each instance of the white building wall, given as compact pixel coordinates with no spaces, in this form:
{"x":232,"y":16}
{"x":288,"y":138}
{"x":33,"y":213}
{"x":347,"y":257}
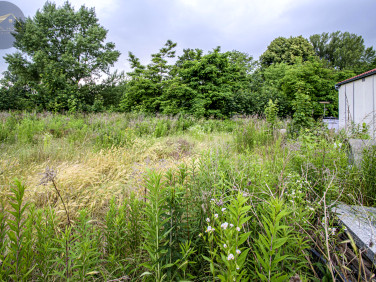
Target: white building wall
{"x":342,"y":106}
{"x":357,"y":103}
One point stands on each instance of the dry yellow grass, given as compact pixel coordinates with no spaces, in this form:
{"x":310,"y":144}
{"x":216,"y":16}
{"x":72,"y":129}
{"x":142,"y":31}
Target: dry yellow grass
{"x":89,"y":179}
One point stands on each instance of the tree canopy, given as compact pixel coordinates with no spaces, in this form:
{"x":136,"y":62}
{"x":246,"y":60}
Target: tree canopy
{"x":198,"y":84}
{"x":287,"y":50}
{"x":60,"y":52}
{"x":63,"y":63}
{"x":343,"y":50}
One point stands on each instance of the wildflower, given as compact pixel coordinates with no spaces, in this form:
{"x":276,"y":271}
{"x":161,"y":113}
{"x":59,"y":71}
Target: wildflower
{"x":224,"y":225}
{"x":210,"y":229}
{"x":212,"y":200}
{"x":230,"y":257}
{"x":332,"y":231}
{"x":231,"y":225}
{"x":224,"y":246}
{"x":238,"y":252}
{"x":238,"y":228}
{"x":223,"y":209}
{"x":216,"y":215}
{"x":208,"y":219}
{"x":237,"y":267}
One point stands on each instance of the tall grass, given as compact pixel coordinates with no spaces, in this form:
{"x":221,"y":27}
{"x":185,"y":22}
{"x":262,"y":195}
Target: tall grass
{"x":169,"y":198}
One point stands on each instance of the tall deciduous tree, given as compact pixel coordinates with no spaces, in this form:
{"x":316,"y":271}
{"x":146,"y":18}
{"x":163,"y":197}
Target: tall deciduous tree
{"x":212,"y":83}
{"x":60,"y":53}
{"x":343,"y":50}
{"x":314,"y":79}
{"x":286,"y":50}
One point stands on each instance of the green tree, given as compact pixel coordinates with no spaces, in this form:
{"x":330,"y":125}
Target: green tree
{"x":314,"y":79}
{"x":343,"y":50}
{"x":212,"y":82}
{"x":147,"y":83}
{"x":61,"y":52}
{"x":272,"y":89}
{"x":286,"y":50}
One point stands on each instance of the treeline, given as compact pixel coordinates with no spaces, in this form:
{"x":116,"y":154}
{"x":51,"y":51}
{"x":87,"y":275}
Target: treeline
{"x":62,"y":55}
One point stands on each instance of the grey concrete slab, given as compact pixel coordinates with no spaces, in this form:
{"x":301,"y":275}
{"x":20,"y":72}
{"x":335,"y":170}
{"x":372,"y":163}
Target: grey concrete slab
{"x":361,"y":223}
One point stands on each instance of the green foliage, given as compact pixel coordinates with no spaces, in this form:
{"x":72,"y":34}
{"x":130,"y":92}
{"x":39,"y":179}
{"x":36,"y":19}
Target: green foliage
{"x":18,"y":232}
{"x":4,"y":241}
{"x":287,"y":50}
{"x":86,"y":263}
{"x":251,"y":135}
{"x":123,"y":223}
{"x":45,"y":244}
{"x":319,"y":159}
{"x":271,"y":112}
{"x":154,"y":232}
{"x":65,"y":260}
{"x":57,"y":49}
{"x":262,"y":196}
{"x":302,"y":118}
{"x":368,"y":175}
{"x":201,"y":85}
{"x":226,"y":238}
{"x":343,"y":50}
{"x":314,"y":79}
{"x":272,"y":241}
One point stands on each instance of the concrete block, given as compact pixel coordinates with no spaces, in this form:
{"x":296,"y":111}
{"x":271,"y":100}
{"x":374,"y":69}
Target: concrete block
{"x":361,"y":224}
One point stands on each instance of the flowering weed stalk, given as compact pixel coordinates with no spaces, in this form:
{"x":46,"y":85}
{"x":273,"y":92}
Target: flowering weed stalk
{"x":227,"y":239}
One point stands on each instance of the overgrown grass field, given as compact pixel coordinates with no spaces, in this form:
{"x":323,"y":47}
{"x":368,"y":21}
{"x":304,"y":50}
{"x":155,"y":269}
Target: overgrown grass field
{"x":133,"y":197}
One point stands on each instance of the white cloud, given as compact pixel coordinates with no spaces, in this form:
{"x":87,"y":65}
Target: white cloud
{"x":103,"y":8}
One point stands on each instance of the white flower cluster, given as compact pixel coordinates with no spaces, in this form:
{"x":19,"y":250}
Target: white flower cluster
{"x":224,"y":225}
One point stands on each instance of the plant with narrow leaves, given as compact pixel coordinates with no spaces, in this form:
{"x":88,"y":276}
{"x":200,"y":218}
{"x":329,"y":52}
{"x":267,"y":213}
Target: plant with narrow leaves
{"x":155,"y":233}
{"x":86,"y":263}
{"x":229,"y":237}
{"x":4,"y":241}
{"x":45,"y":245}
{"x":271,"y":113}
{"x":186,"y":251}
{"x":270,"y":243}
{"x":122,"y":235}
{"x":65,"y":259}
{"x":18,"y":227}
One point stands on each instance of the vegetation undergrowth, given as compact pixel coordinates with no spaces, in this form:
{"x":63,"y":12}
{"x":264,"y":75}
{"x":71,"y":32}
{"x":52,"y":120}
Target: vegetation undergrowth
{"x":173,"y":199}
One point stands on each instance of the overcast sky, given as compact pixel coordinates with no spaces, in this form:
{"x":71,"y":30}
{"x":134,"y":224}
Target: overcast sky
{"x":143,"y":26}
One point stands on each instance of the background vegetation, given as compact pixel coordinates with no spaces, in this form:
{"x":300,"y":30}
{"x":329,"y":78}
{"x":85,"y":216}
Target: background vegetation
{"x":110,"y":196}
{"x":169,"y":172}
{"x":62,"y":64}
